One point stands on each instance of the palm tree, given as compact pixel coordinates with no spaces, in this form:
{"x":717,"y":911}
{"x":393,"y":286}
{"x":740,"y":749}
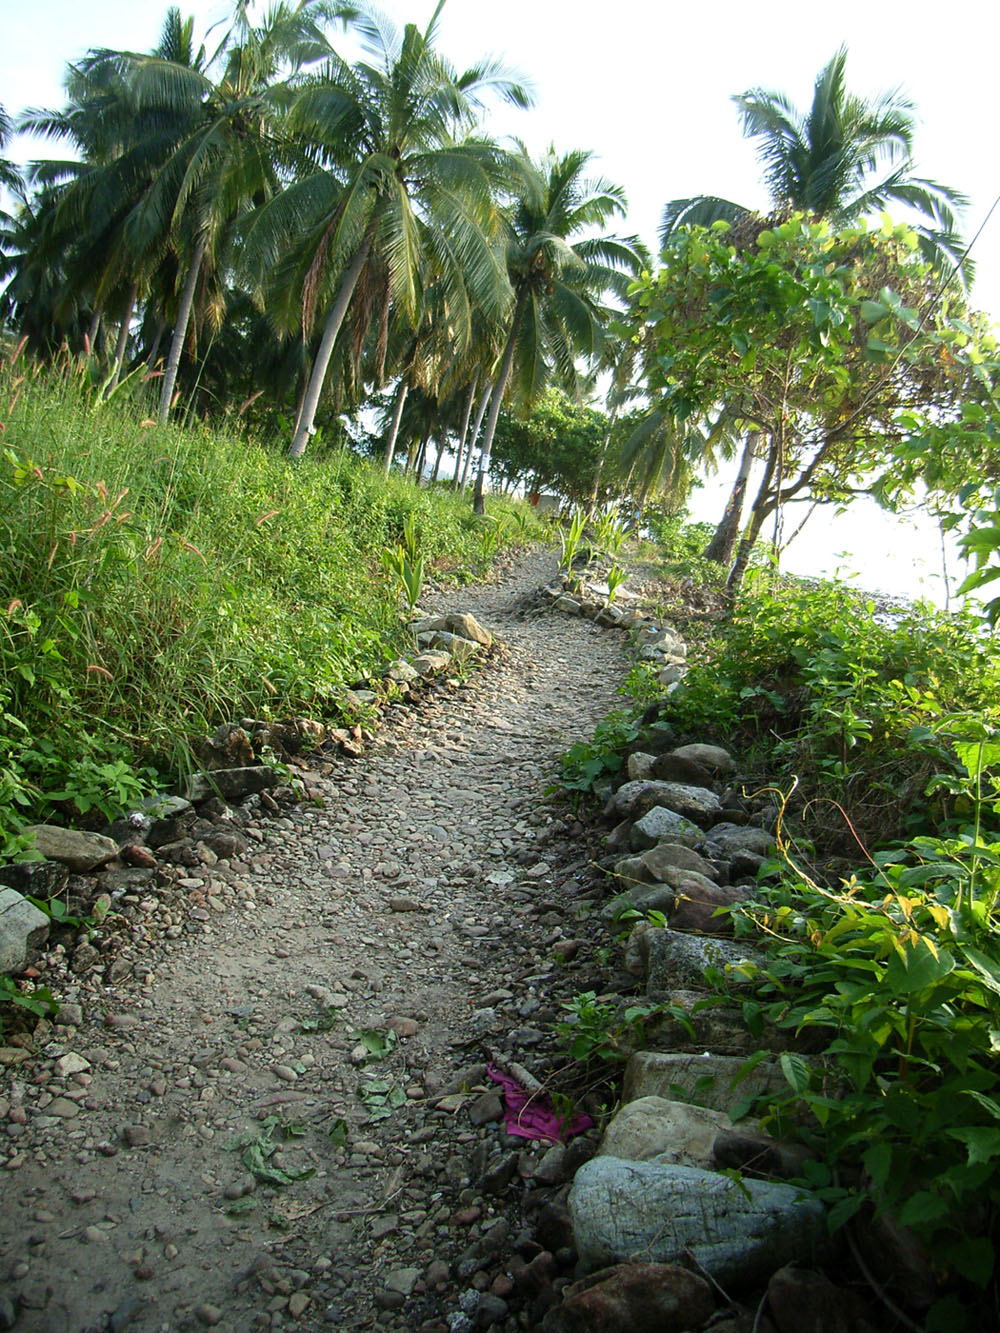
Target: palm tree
{"x":559,"y":275}
{"x":10,"y":176}
{"x":402,"y":185}
{"x":844,"y":159}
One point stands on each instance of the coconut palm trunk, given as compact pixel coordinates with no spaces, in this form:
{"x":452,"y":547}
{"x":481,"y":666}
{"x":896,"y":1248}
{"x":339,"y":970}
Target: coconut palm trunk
{"x":180,"y":330}
{"x":484,"y":403}
{"x":122,"y":344}
{"x":397,"y":416}
{"x":464,"y":429}
{"x":600,"y":460}
{"x":325,"y":351}
{"x":478,"y":503}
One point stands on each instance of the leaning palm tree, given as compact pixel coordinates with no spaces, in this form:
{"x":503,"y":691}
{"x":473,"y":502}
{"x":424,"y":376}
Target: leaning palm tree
{"x":844,"y":159}
{"x":400,"y":178}
{"x":559,"y":270}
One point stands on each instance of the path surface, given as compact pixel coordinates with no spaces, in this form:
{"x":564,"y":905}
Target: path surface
{"x":421,"y":890}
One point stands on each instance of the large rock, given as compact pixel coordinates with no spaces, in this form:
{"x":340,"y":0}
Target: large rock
{"x":466,"y":626}
{"x":460,"y":648}
{"x":720,"y":1082}
{"x":35,"y":879}
{"x":70,"y":847}
{"x":737,"y":1232}
{"x":698,"y":901}
{"x":667,"y":1131}
{"x":232,"y":784}
{"x":663,"y":825}
{"x":799,"y":1299}
{"x":458,"y":623}
{"x":641,"y":898}
{"x":431,"y":662}
{"x":675,"y":959}
{"x":712,"y":757}
{"x":634,"y":799}
{"x":641,"y":766}
{"x":22,"y":927}
{"x":634,"y":1298}
{"x":667,"y":856}
{"x":732,"y":839}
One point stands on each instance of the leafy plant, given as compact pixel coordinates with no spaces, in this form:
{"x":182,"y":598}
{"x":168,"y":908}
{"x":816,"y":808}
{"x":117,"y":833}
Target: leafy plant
{"x":377,"y":1042}
{"x":39,"y":1001}
{"x":597,"y":1029}
{"x":382,"y":1096}
{"x":616,"y":577}
{"x":257,"y":1146}
{"x":571,"y":539}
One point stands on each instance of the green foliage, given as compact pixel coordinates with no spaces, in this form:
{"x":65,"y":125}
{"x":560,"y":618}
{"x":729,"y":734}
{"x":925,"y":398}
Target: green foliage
{"x":596,"y":1029}
{"x":616,"y":577}
{"x":38,"y":1002}
{"x":257,"y":1146}
{"x":405,"y":563}
{"x":814,"y":683}
{"x":156,"y":582}
{"x":896,"y":977}
{"x":554,"y":447}
{"x":794,"y":327}
{"x":571,"y":540}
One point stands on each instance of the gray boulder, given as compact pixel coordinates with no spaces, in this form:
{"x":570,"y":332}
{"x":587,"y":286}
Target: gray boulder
{"x":634,"y":799}
{"x":737,"y":1232}
{"x":22,"y":927}
{"x":667,"y":856}
{"x":232,"y":784}
{"x":674,"y":958}
{"x":733,"y":839}
{"x":720,"y":1082}
{"x":663,"y":825}
{"x":670,"y":1132}
{"x":713,"y":757}
{"x":70,"y":847}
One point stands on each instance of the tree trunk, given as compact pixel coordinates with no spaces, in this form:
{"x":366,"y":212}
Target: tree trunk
{"x":723,"y":542}
{"x":122,"y":344}
{"x":763,"y":505}
{"x":464,"y":430}
{"x":90,"y":340}
{"x":180,"y":330}
{"x":154,"y":351}
{"x":325,"y":351}
{"x":600,"y":460}
{"x":397,"y":416}
{"x":437,"y":461}
{"x":484,"y":403}
{"x":418,"y":466}
{"x":478,"y":504}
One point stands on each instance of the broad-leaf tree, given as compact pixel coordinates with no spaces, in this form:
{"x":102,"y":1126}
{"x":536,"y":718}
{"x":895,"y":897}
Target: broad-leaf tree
{"x":833,"y":346}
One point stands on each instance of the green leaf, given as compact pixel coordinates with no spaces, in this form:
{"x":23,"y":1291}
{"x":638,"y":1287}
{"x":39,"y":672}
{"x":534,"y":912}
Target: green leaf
{"x":974,"y":1257}
{"x":921,"y":1208}
{"x":982,"y":1142}
{"x":878,"y":1162}
{"x":844,"y":1210}
{"x":987,"y":969}
{"x":796,"y":1070}
{"x":872,"y":311}
{"x":919,"y":970}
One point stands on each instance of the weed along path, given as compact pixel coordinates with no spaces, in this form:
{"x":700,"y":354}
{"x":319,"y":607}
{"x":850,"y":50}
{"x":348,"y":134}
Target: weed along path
{"x":262,"y":1117}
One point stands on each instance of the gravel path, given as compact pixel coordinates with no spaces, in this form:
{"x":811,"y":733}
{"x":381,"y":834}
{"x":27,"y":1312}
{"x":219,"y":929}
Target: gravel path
{"x":420,"y":895}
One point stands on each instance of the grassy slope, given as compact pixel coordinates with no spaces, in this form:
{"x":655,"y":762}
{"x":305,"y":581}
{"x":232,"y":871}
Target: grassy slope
{"x":156,"y":581}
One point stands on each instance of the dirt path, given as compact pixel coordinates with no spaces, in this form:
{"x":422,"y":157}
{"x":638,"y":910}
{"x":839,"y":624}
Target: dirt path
{"x":427,"y":889}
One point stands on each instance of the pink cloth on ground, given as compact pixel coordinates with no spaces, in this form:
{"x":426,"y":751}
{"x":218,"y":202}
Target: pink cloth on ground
{"x":530,"y":1116}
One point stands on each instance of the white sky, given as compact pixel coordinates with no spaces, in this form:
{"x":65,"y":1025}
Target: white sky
{"x":645,"y":84}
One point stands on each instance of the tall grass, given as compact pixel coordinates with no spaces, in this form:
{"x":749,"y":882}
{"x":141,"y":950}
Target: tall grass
{"x":154,"y":581}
